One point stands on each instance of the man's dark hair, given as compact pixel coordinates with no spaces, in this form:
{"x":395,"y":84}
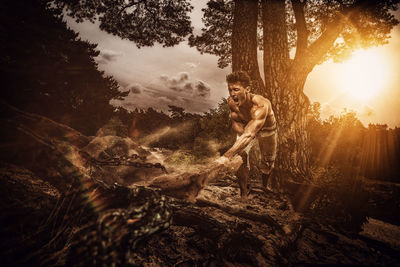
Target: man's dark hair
{"x":239,"y":76}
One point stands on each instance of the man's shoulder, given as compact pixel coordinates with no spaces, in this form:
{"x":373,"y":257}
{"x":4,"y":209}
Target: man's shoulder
{"x":259,"y":100}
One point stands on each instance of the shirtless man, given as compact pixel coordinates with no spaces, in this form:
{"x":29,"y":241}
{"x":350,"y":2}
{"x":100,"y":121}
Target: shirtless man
{"x":254,"y":122}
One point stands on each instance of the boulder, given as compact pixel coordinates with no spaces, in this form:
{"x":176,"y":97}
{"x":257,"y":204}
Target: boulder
{"x":104,"y":149}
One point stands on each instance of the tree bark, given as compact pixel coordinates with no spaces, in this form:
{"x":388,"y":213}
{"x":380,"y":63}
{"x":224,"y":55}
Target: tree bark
{"x":284,"y":77}
{"x":243,"y":213}
{"x":285,"y":90}
{"x":244,"y":42}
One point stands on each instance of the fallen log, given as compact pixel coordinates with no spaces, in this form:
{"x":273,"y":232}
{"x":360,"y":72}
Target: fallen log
{"x":187,"y":214}
{"x":187,"y":185}
{"x":263,"y":218}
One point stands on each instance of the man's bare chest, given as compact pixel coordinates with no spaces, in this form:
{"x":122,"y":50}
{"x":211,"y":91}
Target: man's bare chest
{"x":243,"y":116}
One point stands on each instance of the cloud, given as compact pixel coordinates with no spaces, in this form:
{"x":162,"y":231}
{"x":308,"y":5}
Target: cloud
{"x":183,"y":76}
{"x":179,"y":90}
{"x":157,"y":93}
{"x":188,"y":87}
{"x":182,"y":83}
{"x":191,"y":65}
{"x":134,"y":88}
{"x":179,"y":83}
{"x":186,"y":100}
{"x":106,"y":56}
{"x":164,"y":77}
{"x":202,"y":89}
{"x":174,"y":80}
{"x":164,"y":100}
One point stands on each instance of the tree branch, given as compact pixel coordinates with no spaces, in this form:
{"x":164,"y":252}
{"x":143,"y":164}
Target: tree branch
{"x":316,"y":51}
{"x":131,"y":4}
{"x":302,"y":33}
{"x":306,"y":61}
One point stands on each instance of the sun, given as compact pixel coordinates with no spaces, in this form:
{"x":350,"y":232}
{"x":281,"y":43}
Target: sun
{"x":364,"y":75}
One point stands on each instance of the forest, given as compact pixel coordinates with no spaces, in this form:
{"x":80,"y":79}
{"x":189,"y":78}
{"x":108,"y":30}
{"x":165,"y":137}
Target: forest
{"x":55,"y":103}
{"x":371,"y":152}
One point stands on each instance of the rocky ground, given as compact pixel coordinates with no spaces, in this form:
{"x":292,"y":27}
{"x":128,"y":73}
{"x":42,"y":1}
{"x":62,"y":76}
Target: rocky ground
{"x":66,"y":200}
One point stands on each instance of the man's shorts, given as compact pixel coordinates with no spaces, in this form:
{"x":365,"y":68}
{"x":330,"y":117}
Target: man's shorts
{"x":265,"y":143}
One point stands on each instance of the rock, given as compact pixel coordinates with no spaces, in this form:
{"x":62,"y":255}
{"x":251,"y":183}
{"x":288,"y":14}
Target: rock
{"x":54,"y":151}
{"x":104,"y":148}
{"x":48,"y":188}
{"x":113,"y":127}
{"x":45,"y":147}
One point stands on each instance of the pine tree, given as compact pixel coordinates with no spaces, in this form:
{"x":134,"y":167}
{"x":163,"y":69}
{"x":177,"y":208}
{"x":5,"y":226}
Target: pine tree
{"x":47,"y":69}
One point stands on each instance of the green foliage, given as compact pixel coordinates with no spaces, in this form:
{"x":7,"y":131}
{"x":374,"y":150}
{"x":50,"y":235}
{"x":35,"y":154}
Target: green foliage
{"x":217,"y":34}
{"x":144,"y":22}
{"x":177,"y":113}
{"x":200,"y":136}
{"x":216,"y":125}
{"x":157,"y":129}
{"x":337,"y":140}
{"x":344,"y":152}
{"x":367,"y":23}
{"x":47,"y":69}
{"x":177,"y":135}
{"x":214,"y":134}
{"x":343,"y":141}
{"x":146,"y":122}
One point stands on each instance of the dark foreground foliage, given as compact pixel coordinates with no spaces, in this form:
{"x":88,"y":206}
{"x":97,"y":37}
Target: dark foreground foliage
{"x":47,"y":69}
{"x":56,"y":212}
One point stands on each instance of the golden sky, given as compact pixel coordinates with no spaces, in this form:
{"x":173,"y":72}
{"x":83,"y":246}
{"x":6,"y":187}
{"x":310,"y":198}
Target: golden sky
{"x":368,"y":83}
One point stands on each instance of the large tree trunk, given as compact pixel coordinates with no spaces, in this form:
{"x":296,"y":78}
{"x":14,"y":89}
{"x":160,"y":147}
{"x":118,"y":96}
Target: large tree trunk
{"x":284,"y":87}
{"x":293,"y":144}
{"x":283,"y":84}
{"x":244,"y":42}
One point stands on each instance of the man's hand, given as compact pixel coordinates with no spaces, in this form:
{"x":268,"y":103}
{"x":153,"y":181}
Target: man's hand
{"x":223,"y":160}
{"x":230,"y":164}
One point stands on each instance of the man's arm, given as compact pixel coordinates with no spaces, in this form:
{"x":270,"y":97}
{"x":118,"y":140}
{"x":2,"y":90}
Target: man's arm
{"x":258,"y":114}
{"x":236,"y":126}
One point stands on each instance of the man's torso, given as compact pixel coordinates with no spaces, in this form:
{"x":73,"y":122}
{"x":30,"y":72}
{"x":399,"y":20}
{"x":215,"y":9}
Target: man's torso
{"x":266,"y":137}
{"x":243,"y":115}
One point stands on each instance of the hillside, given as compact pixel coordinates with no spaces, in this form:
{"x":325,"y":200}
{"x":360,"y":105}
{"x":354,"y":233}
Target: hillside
{"x":66,"y":199}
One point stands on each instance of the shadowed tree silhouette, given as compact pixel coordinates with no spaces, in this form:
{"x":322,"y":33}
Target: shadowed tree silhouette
{"x":47,"y":69}
{"x":144,"y":22}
